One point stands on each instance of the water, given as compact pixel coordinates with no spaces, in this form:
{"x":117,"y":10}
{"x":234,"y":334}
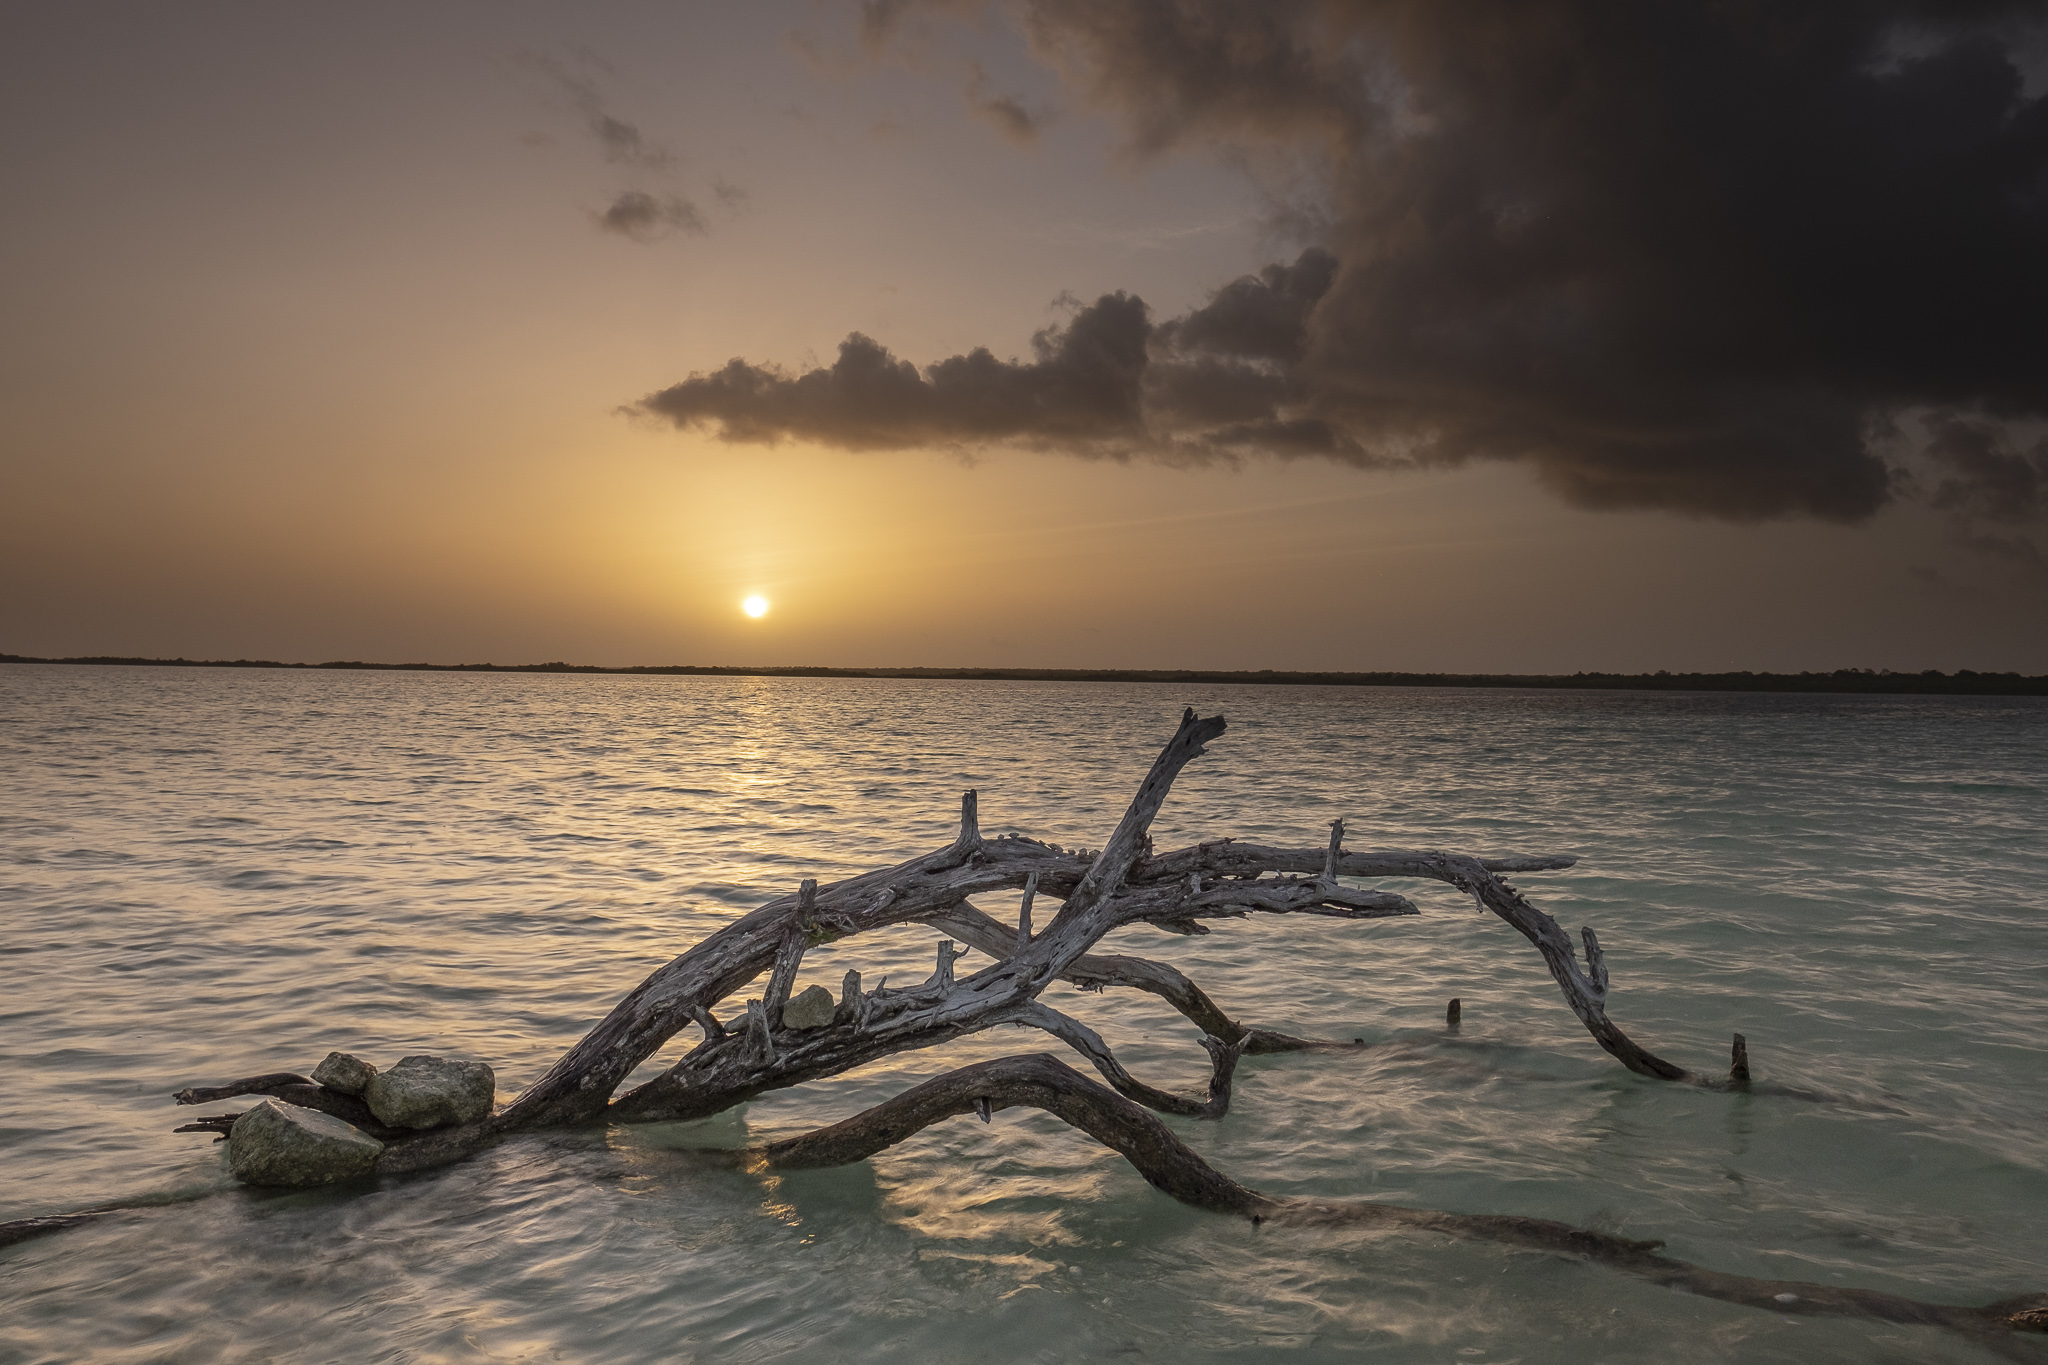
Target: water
{"x":207,"y":874}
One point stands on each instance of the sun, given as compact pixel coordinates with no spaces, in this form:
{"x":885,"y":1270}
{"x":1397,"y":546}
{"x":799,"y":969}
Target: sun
{"x":755,"y":606}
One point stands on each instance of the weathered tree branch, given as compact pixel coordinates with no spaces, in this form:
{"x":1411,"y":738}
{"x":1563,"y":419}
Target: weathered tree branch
{"x":1098,"y":971}
{"x":1123,"y":884}
{"x":1585,"y":991}
{"x":293,"y":1088}
{"x":1086,"y":1041}
{"x":1094,"y":971}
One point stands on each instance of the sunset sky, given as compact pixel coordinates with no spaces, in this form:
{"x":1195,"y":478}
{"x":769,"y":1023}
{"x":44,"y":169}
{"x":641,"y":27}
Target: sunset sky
{"x":1439,"y":337}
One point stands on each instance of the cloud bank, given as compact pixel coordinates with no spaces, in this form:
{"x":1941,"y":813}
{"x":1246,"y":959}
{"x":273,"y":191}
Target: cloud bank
{"x":1081,"y":391}
{"x":1698,"y":257}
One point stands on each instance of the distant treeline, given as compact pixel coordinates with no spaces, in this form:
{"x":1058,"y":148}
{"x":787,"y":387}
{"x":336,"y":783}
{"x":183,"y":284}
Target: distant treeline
{"x":1961,"y":682}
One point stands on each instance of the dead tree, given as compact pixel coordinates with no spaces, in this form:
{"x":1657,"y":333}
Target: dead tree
{"x":753,"y":1051}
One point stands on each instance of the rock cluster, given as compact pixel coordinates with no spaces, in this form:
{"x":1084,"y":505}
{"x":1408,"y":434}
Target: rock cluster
{"x":278,"y":1143}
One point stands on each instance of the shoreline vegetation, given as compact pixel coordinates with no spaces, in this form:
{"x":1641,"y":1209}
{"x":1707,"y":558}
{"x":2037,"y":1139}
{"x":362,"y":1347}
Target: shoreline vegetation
{"x":1963,"y":682}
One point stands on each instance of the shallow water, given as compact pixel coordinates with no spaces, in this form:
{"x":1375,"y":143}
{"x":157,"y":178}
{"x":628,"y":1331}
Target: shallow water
{"x":206,"y":874}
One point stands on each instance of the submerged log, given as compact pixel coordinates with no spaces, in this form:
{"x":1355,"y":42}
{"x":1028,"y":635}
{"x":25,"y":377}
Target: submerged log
{"x":1126,"y":883}
{"x":1170,"y":1166}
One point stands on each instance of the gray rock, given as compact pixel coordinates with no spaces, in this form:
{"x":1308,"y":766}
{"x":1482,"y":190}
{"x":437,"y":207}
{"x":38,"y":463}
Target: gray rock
{"x":349,"y":1075}
{"x":281,"y":1144}
{"x":812,"y":1008}
{"x":429,"y":1092}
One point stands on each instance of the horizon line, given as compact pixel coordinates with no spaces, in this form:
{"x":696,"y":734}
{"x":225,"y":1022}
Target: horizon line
{"x":1932,"y":681}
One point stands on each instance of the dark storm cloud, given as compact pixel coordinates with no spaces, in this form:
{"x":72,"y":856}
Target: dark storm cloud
{"x":1691,"y":256}
{"x":1983,"y":474}
{"x":1260,"y":317}
{"x":645,"y":218}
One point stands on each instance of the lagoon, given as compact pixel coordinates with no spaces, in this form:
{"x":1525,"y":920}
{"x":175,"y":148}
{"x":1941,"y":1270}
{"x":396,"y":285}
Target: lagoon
{"x":209,"y":873}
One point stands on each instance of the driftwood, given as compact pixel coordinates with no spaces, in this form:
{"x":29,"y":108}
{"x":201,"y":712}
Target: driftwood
{"x":751,"y":1052}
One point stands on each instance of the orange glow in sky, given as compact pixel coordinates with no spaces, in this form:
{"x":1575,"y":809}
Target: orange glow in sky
{"x":371,"y":384}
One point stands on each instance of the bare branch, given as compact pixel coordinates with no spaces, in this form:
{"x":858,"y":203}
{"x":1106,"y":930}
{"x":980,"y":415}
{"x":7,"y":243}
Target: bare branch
{"x":1129,"y":842}
{"x":970,"y":820}
{"x":1586,"y":994}
{"x":1236,"y":858}
{"x":1279,"y":896}
{"x":760,"y":1046}
{"x":1086,"y":1041}
{"x":1093,"y":971}
{"x":789,"y":955}
{"x":266,"y":1084}
{"x":293,"y":1088}
{"x":1097,"y":971}
{"x":942,"y":975}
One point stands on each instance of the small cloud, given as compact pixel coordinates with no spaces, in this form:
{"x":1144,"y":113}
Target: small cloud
{"x":623,"y":143}
{"x":1005,"y":113}
{"x":729,"y":194}
{"x":535,"y":139}
{"x":624,"y":146}
{"x":642,"y":217}
{"x":887,"y":130}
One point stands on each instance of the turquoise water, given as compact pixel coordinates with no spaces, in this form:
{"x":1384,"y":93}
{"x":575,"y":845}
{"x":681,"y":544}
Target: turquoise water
{"x":205,"y":874}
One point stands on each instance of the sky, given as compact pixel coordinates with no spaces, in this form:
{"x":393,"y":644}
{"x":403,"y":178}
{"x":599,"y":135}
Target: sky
{"x":1530,"y":337}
